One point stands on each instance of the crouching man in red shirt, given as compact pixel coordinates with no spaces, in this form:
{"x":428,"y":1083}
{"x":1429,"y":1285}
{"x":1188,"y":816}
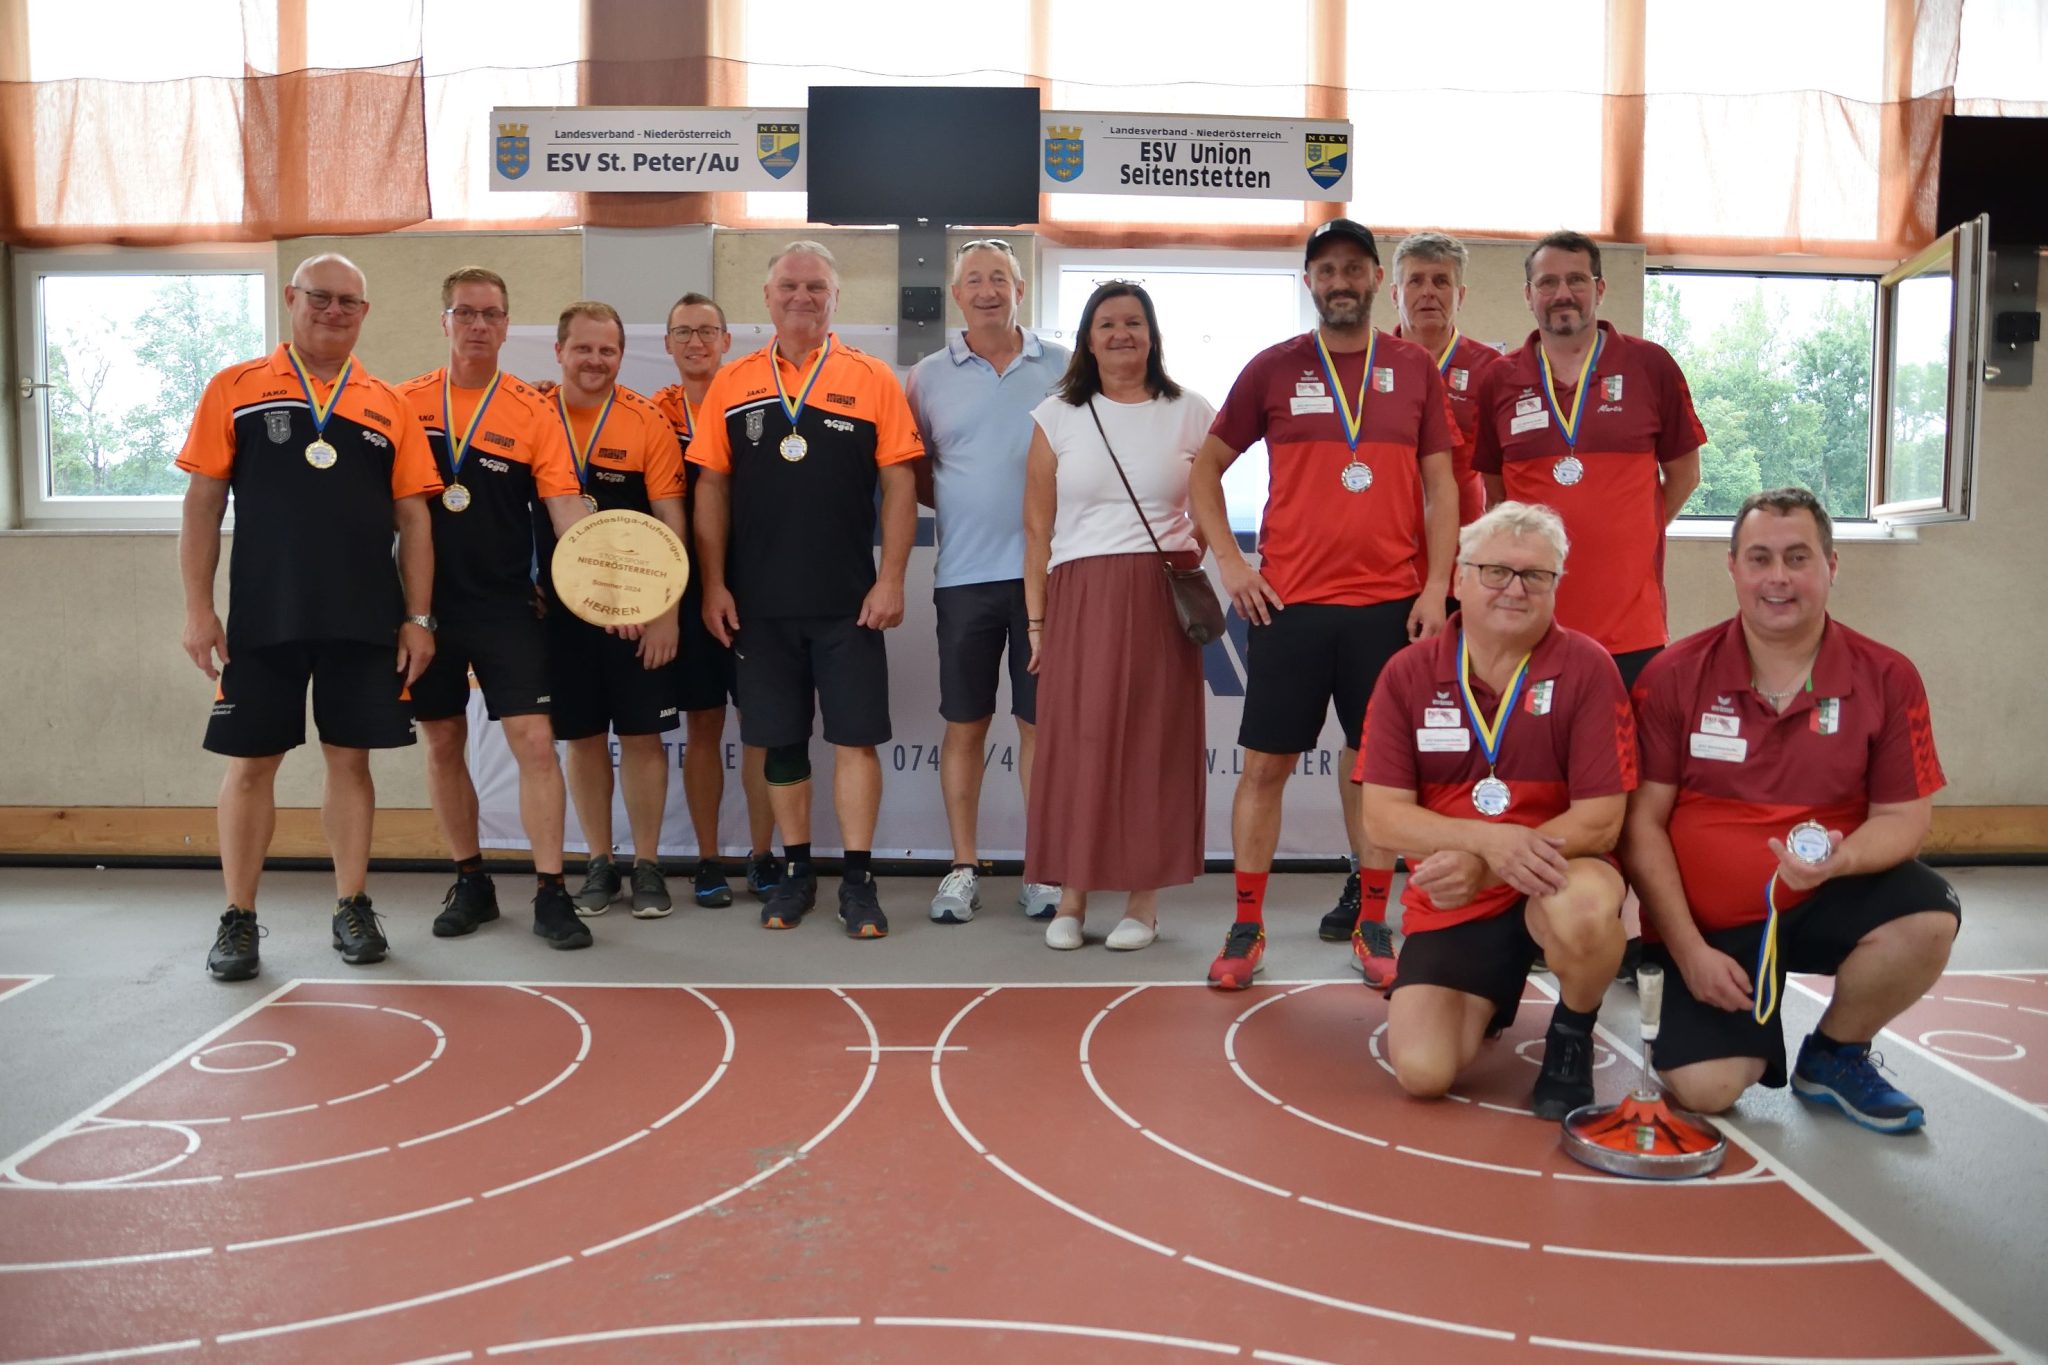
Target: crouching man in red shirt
{"x":1497,"y":758}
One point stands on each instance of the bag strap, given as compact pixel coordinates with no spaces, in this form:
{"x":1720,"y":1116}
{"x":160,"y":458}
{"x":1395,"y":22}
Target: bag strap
{"x":1136,"y":506}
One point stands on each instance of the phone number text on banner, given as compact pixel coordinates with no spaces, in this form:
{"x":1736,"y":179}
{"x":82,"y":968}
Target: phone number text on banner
{"x":667,"y":150}
{"x":1234,"y":158}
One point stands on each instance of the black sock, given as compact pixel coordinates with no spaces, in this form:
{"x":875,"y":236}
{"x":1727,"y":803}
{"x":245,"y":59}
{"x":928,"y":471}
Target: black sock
{"x":1578,"y":1021}
{"x":468,"y":867}
{"x":971,"y":867}
{"x":858,"y":861}
{"x":798,"y":856}
{"x":547,"y":879}
{"x":1821,"y":1040}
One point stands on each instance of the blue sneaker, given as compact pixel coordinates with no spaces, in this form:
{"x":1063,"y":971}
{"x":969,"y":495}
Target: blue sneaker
{"x":763,"y":873}
{"x":1852,"y":1079}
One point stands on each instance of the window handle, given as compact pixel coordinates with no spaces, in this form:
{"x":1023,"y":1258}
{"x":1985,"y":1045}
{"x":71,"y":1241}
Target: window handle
{"x":27,"y":387}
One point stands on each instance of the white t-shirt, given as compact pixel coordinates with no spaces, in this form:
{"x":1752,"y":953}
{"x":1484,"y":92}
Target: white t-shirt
{"x":1156,"y":443}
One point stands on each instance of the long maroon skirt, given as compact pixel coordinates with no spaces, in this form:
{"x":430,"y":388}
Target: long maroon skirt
{"x":1120,"y":780}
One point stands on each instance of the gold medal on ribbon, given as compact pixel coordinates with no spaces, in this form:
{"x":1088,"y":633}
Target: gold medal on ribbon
{"x":321,"y":454}
{"x":794,"y":447}
{"x":580,"y":454}
{"x":455,"y":497}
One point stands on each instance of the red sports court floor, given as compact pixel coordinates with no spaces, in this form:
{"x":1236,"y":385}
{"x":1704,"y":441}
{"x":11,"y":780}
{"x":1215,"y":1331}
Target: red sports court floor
{"x":397,"y":1172}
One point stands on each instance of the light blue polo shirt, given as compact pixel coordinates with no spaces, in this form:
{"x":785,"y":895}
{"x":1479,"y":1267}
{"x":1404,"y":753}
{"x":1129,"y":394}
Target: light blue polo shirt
{"x":977,"y":431}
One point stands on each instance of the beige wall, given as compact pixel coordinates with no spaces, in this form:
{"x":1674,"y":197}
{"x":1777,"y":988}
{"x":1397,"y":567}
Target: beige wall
{"x":104,"y":709}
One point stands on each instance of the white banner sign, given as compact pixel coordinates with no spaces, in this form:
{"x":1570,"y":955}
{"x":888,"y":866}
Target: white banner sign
{"x":1228,"y":158}
{"x":670,"y":150}
{"x":913,"y":815}
{"x":665,"y":150}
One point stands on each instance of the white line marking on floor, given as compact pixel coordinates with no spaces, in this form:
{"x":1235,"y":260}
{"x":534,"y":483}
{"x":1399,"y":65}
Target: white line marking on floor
{"x":453,"y":1358}
{"x":460,"y":1127}
{"x":1469,"y":1161}
{"x":318,"y":1233}
{"x":94,"y":1263}
{"x":866,"y":1082}
{"x":439,"y":1296}
{"x":310,"y":1165}
{"x":1063,"y":1329}
{"x":1402,"y":1223}
{"x":1336,"y":1128}
{"x":692,"y":1211}
{"x":1369,"y":1310}
{"x":667,"y":1330}
{"x":124,"y":1353}
{"x":568,"y":1166}
{"x":1654,"y":1353}
{"x":1077,"y":1211}
{"x":197,"y":1061}
{"x":18,"y":987}
{"x":1654,"y":1258}
{"x":1208,"y":1165}
{"x":938,"y":1082}
{"x":926,"y":1048}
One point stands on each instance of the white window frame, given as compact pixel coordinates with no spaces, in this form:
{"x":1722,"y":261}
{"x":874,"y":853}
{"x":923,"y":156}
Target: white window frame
{"x":29,"y":386}
{"x":1963,"y":252}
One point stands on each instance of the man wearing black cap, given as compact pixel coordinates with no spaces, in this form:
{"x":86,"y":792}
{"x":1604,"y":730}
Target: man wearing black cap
{"x":1358,"y":439}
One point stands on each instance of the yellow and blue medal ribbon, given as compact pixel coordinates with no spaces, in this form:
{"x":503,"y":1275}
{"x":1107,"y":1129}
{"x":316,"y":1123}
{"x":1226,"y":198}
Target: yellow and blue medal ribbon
{"x":580,"y":455}
{"x":1569,"y":426}
{"x":793,"y":410}
{"x":321,"y":411}
{"x":458,"y":447}
{"x":1490,"y":733}
{"x":1443,"y":362}
{"x":1354,"y":417}
{"x":1764,"y":981}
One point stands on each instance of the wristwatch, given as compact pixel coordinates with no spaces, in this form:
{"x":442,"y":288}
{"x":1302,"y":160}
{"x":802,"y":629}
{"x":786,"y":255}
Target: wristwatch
{"x":426,"y":623}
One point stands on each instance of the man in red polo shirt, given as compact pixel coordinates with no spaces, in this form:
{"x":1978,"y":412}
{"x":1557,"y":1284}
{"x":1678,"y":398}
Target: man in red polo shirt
{"x":1783,"y":750}
{"x":1358,"y":443}
{"x":1600,"y":426}
{"x":1497,"y":759}
{"x":1429,"y":292}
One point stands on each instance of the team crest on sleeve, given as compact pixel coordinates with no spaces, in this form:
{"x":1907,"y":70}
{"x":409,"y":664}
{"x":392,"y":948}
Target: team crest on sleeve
{"x":777,"y":146}
{"x":515,"y":153}
{"x":1540,"y":696}
{"x":1327,"y":156}
{"x":277,"y":425}
{"x":1063,"y":152}
{"x":757,"y":422}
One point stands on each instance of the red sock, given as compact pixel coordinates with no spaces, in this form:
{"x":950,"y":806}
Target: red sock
{"x":1374,"y":885}
{"x":1251,"y":897}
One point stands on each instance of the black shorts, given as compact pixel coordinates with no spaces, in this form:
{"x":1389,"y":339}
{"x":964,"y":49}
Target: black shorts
{"x":598,"y":683}
{"x":1813,"y":936}
{"x":1312,"y":654}
{"x":977,"y":622}
{"x":704,"y":668}
{"x":510,"y":656}
{"x":784,"y":660}
{"x":1489,"y":958}
{"x":1634,"y":662}
{"x":359,"y":699}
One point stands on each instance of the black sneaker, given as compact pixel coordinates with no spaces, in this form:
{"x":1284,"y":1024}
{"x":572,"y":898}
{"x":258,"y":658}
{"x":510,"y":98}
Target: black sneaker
{"x":762,"y":875}
{"x":1338,"y":924}
{"x":650,"y":892}
{"x":709,"y":888}
{"x":554,"y":919}
{"x":790,"y":900}
{"x":860,"y":909}
{"x":473,"y":900}
{"x":358,"y":933}
{"x":600,"y":886}
{"x":233,"y":956}
{"x":1566,"y":1081}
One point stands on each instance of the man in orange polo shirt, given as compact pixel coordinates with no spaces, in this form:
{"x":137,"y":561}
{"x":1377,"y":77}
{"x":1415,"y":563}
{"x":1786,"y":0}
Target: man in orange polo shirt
{"x":1789,"y":774}
{"x":1355,"y":546}
{"x":500,"y":450}
{"x":797,"y":440}
{"x":323,"y":462}
{"x":625,"y":456}
{"x":1498,"y":758}
{"x":698,"y":341}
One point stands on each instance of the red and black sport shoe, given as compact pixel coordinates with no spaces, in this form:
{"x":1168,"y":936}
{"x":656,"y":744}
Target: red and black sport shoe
{"x":1372,"y":952}
{"x":1244,"y":948}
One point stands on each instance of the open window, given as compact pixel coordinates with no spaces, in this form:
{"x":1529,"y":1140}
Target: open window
{"x":1931,"y":321}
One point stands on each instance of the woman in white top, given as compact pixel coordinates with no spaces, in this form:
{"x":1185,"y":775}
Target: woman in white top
{"x":1120,"y":783}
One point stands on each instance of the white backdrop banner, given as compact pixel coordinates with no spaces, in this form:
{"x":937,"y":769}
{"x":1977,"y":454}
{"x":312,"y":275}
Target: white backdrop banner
{"x":1228,"y":158}
{"x":664,"y":150}
{"x":913,"y":816}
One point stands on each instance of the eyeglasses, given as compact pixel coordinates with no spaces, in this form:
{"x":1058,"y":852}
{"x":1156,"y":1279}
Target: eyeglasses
{"x":706,"y":334}
{"x":1535,"y":581}
{"x":322,"y":300}
{"x":994,"y":243}
{"x":464,"y":316}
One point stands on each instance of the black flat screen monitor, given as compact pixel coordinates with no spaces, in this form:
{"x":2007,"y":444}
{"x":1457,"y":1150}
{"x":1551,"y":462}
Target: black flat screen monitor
{"x":1994,"y":166}
{"x":894,"y":154}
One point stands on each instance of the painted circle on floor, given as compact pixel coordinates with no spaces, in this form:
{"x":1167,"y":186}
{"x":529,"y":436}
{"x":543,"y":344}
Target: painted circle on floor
{"x":256,"y":1061}
{"x":2012,"y":1053}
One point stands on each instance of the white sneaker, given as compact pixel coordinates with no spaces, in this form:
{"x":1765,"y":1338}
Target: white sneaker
{"x":1131,"y":935}
{"x":1064,"y":933}
{"x":959,"y":897}
{"x":1039,"y":900}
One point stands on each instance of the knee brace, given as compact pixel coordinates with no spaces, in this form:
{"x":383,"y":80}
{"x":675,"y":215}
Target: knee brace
{"x":788,"y":764}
